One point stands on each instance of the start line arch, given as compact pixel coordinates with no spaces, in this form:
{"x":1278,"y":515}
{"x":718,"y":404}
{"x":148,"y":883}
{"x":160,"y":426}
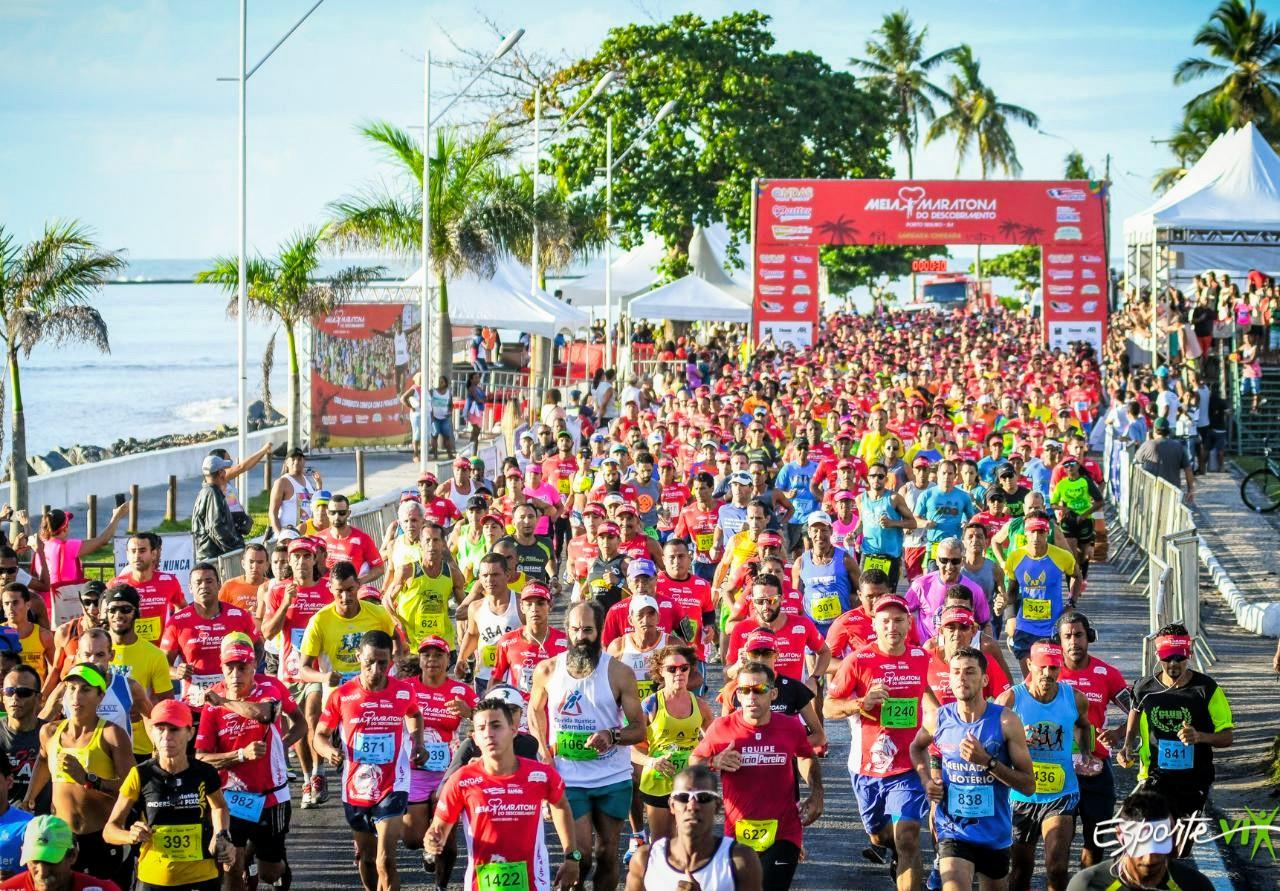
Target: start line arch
{"x":792,"y":218}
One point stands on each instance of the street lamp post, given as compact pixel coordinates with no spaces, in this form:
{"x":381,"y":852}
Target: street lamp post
{"x":424,"y":297}
{"x":242,"y":291}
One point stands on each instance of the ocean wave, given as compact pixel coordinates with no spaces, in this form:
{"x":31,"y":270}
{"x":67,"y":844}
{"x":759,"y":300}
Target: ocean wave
{"x":209,"y":412}
{"x":160,"y":362}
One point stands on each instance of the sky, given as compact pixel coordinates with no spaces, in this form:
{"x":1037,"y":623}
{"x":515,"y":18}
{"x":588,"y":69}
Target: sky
{"x":112,"y":112}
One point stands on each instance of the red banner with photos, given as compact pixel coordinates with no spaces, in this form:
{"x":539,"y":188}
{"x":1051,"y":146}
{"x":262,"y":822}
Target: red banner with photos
{"x":363,"y":356}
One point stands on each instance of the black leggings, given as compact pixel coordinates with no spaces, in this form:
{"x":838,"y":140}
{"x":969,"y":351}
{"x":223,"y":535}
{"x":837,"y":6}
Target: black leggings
{"x":779,"y":866}
{"x":207,"y":885}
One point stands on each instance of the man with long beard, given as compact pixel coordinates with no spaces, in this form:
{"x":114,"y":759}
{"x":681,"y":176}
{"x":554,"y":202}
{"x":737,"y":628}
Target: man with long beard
{"x":576,"y":712}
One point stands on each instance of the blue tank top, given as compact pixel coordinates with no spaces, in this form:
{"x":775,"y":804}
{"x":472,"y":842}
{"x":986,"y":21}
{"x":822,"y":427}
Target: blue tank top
{"x":827,"y":588}
{"x":731,"y":519}
{"x":877,"y":541}
{"x":975,"y":805}
{"x":1050,"y":736}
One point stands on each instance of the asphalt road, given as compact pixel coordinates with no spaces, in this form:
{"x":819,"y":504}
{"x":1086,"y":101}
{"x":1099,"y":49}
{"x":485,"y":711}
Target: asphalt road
{"x":320,"y":849}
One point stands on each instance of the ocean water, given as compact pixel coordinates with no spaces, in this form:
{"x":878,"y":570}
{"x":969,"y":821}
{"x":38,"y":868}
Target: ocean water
{"x":171,"y":369}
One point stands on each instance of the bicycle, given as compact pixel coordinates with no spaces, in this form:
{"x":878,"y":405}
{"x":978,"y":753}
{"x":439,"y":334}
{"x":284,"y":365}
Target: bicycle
{"x":1260,"y":490}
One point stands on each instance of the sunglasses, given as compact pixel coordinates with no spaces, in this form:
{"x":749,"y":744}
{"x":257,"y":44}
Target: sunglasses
{"x":699,"y":796}
{"x":120,"y":610}
{"x":948,"y":561}
{"x":19,"y":692}
{"x":340,"y":513}
{"x":89,"y":603}
{"x":758,"y":689}
{"x":675,"y":669}
{"x":765,"y":601}
{"x":1174,"y":658}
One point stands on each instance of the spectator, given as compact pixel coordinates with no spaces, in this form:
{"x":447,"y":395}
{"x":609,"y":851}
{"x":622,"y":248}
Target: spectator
{"x":1166,"y":458}
{"x":212,"y":525}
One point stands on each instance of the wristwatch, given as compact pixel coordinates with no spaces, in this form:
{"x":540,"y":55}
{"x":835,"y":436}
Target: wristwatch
{"x":575,"y":855}
{"x":93,"y":781}
{"x":615,"y":734}
{"x":991,"y":763}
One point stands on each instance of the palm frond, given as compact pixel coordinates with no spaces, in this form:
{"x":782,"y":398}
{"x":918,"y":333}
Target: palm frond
{"x":396,"y":145}
{"x":68,"y":323}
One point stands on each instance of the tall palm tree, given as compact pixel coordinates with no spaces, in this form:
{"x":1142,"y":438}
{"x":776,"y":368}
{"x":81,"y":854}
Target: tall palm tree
{"x":1244,"y":51}
{"x":45,"y":289}
{"x":976,"y":118}
{"x":1076,"y":167}
{"x":898,"y":65}
{"x":285,"y":288}
{"x":473,"y":218}
{"x":570,"y":226}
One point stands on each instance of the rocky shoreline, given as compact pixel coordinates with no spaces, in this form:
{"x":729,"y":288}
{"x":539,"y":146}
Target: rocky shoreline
{"x":76,"y":455}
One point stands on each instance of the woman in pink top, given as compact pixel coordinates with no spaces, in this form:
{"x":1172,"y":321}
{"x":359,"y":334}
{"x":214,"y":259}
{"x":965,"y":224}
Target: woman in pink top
{"x":536,"y":487}
{"x":62,"y":553}
{"x":845,"y":522}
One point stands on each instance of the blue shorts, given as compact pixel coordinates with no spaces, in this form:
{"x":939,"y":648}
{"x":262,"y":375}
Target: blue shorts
{"x":1250,"y":385}
{"x":442,"y":427}
{"x":366,"y":819}
{"x":613,"y":800}
{"x":895,"y":798}
{"x":1022,"y":641}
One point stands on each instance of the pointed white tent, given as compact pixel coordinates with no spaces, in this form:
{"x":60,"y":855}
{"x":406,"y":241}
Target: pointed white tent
{"x":633,"y":273}
{"x":708,"y":294}
{"x":504,"y":301}
{"x":1222,"y":215}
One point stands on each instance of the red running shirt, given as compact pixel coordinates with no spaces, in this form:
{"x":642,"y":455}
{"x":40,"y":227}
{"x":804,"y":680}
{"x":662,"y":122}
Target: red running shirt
{"x":762,"y":789}
{"x":797,"y":634}
{"x":504,"y":815}
{"x":1100,"y":683}
{"x":199,"y":642}
{"x":375,"y":754}
{"x":222,"y":730}
{"x":357,"y":548}
{"x":881,"y":736}
{"x":309,"y":601}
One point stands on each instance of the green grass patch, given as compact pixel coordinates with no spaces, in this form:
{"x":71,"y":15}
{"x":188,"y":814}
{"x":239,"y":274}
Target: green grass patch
{"x":1249,"y":463}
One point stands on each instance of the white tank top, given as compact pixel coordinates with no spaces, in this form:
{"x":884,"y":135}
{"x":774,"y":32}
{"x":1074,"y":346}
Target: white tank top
{"x":913,"y":538}
{"x":296,"y":509}
{"x":637,"y":659}
{"x":577,"y":708}
{"x":717,"y":875}
{"x":491,"y":628}
{"x":460,"y":499}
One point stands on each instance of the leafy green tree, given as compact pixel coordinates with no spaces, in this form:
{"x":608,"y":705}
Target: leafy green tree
{"x":475,"y":217}
{"x":745,"y":111}
{"x":285,"y":288}
{"x":856,"y":266}
{"x":1020,"y":264}
{"x":570,"y":225}
{"x":1244,"y":55}
{"x":1076,"y":166}
{"x":896,"y":63}
{"x":977,"y":120}
{"x":45,"y":292}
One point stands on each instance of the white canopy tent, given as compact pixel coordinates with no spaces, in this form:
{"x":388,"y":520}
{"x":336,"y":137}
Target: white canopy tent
{"x":690,"y":299}
{"x":633,"y":273}
{"x":505,"y":301}
{"x":1223,"y":215}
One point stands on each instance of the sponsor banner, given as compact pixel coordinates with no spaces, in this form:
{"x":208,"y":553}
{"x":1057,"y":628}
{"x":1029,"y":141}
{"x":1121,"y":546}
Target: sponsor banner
{"x":177,"y":556}
{"x":1067,"y":219}
{"x":872,"y":211}
{"x":787,"y":288}
{"x":1061,"y":334}
{"x":363,"y":356}
{"x":797,"y":334}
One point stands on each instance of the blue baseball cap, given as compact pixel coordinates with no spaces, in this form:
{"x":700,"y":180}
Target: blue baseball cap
{"x":642,"y":566}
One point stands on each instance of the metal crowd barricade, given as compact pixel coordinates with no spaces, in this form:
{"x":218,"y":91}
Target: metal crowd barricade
{"x":1161,"y":542}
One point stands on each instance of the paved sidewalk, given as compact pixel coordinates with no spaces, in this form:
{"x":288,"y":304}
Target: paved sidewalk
{"x":1246,"y":544}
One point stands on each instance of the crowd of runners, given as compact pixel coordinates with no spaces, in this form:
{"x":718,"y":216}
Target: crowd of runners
{"x":644,"y":628}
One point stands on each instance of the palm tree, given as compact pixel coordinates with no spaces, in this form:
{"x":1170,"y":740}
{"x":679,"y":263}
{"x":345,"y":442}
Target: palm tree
{"x":45,"y":288}
{"x":284,"y":288}
{"x":977,"y":118}
{"x":1076,"y":167}
{"x":1199,"y":128}
{"x":1244,"y":52}
{"x":899,"y":66}
{"x":570,"y":226}
{"x":474,"y":219}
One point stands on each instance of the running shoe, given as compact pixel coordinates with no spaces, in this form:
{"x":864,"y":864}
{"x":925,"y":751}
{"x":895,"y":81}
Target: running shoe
{"x":319,"y":789}
{"x":308,"y":795}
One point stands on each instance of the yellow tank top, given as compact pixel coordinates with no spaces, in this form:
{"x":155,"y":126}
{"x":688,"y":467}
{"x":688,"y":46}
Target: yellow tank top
{"x":93,"y":756}
{"x":672,"y":737}
{"x":33,"y":651}
{"x":423,"y":603}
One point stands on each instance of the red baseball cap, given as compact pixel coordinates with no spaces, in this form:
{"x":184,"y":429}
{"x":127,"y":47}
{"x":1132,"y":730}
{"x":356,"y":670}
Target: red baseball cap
{"x":769,"y":540}
{"x":921,"y":461}
{"x":760,"y":640}
{"x":1173,"y":645}
{"x":608,"y":529}
{"x":1037,"y":524}
{"x":302,"y":543}
{"x":956,"y":615}
{"x":171,"y":711}
{"x":1046,"y":652}
{"x":535,"y":591}
{"x":428,"y":477}
{"x":493,"y":518}
{"x":433,"y":642}
{"x":594,"y":507}
{"x":885,"y":601}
